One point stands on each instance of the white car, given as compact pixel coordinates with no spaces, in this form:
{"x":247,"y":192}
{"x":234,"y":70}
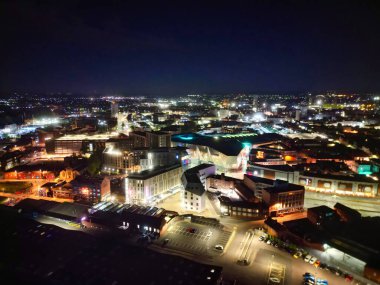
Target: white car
{"x":219,"y":247}
{"x":307,"y":258}
{"x":274,"y":279}
{"x":313,"y":260}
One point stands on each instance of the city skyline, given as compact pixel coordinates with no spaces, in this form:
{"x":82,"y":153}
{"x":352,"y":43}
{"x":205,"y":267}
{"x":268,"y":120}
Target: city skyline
{"x":186,"y":142}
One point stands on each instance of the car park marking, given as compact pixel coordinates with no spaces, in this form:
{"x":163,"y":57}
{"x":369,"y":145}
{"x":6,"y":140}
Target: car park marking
{"x":276,"y":273}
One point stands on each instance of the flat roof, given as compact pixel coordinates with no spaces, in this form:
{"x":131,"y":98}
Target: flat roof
{"x":239,"y":203}
{"x":199,"y":167}
{"x":230,"y":145}
{"x":258,"y":179}
{"x":82,"y":137}
{"x":146,"y":174}
{"x":323,"y":209}
{"x":224,"y":177}
{"x":285,"y":187}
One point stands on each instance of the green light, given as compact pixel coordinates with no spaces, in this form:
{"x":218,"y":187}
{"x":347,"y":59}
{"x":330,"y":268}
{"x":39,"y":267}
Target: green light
{"x":247,"y":145}
{"x":187,"y":138}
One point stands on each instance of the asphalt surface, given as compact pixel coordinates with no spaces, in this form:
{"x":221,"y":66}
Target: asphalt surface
{"x":195,"y":238}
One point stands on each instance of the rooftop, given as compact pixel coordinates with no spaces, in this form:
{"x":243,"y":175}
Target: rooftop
{"x":284,"y":187}
{"x":82,"y":137}
{"x":282,"y":167}
{"x":146,"y":174}
{"x":230,"y":145}
{"x":257,"y":179}
{"x":87,"y":259}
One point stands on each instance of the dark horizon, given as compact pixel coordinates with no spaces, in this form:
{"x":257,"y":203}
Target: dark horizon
{"x":176,"y":49}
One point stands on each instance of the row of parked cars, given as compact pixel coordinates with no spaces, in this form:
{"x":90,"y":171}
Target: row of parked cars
{"x":300,"y":253}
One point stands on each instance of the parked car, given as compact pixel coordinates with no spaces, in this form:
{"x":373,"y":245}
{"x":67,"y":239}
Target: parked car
{"x":297,"y":254}
{"x":219,"y":247}
{"x":312,"y":260}
{"x":307,"y":258}
{"x":309,"y":278}
{"x":275,"y":280}
{"x":261,"y":238}
{"x":322,"y":282}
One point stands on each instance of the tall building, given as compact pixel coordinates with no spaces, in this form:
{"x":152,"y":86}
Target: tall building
{"x":194,"y":182}
{"x":114,"y":109}
{"x":151,"y":139}
{"x":143,"y":187}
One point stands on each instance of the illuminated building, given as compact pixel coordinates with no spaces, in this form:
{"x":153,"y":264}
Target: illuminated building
{"x":227,"y":152}
{"x":257,"y":184}
{"x":144,"y":219}
{"x":282,"y":172}
{"x":56,"y":190}
{"x":118,"y":161}
{"x":284,"y":198}
{"x":78,"y":143}
{"x":353,"y":185}
{"x":239,"y":208}
{"x":194,"y":182}
{"x":220,"y":183}
{"x":90,"y":189}
{"x":353,"y":190}
{"x":151,"y":139}
{"x":142,"y":187}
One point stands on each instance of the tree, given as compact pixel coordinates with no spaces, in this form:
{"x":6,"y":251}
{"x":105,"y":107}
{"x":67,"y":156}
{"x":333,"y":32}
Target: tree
{"x":94,"y":162}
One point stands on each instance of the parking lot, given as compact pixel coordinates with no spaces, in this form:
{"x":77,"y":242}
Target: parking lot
{"x":276,"y":273}
{"x":197,"y":237}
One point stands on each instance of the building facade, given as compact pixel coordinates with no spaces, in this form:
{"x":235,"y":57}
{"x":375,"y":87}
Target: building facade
{"x":142,"y":187}
{"x":194,"y":182}
{"x":90,"y":189}
{"x":284,"y":198}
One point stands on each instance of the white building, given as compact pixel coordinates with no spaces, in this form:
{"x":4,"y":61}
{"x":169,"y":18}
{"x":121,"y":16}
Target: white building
{"x":194,"y":182}
{"x":144,"y":186}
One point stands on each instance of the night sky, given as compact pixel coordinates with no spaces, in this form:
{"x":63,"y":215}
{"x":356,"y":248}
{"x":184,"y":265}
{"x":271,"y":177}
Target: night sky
{"x":183,"y":47}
